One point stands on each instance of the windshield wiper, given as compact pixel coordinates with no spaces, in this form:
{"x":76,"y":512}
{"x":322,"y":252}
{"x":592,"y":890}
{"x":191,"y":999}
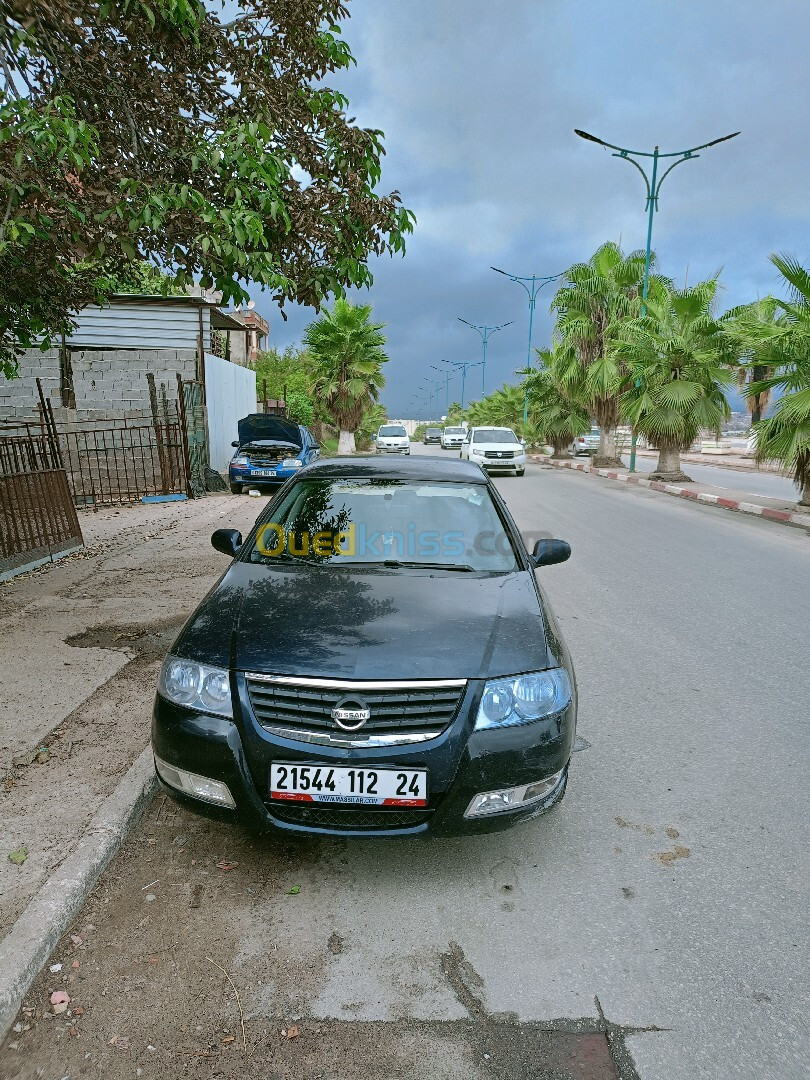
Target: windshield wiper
{"x":398,"y":563}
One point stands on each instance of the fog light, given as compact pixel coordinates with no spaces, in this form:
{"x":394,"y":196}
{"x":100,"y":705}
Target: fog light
{"x":200,"y":787}
{"x":498,"y":802}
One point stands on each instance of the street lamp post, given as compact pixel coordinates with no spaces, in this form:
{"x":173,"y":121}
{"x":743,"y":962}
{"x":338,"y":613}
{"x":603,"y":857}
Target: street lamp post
{"x":653,"y":185}
{"x":434,"y":389}
{"x":486,"y":333}
{"x":464,"y":370}
{"x":532,"y":290}
{"x":447,"y":375}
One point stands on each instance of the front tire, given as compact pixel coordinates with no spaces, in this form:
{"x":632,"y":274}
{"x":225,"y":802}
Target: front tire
{"x":521,"y":472}
{"x":236,"y":489}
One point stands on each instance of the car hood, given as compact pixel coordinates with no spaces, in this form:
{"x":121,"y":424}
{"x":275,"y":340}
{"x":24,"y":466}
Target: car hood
{"x":499,"y":446}
{"x":259,"y":427}
{"x":338,"y":623}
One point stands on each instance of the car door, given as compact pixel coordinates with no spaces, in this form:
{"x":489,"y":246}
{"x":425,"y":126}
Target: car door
{"x":465,"y":446}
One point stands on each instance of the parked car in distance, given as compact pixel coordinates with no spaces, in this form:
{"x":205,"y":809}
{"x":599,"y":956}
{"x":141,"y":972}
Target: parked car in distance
{"x":452,"y":437}
{"x":393,"y":439}
{"x":495,"y":449}
{"x":433,"y":434}
{"x":290,"y":702}
{"x":585,"y":444}
{"x":270,"y":450}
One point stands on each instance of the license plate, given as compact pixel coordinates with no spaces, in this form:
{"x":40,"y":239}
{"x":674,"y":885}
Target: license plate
{"x":363,"y":787}
{"x":263,"y":472}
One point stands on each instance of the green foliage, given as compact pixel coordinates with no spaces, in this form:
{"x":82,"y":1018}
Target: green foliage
{"x":289,"y":371}
{"x":369,"y":426}
{"x":785,"y":435}
{"x":419,"y":432}
{"x":217,"y":152}
{"x":455,"y":414}
{"x":300,"y":409}
{"x":136,"y":277}
{"x":346,"y":351}
{"x":558,"y":415}
{"x":592,"y":304}
{"x":678,"y":356}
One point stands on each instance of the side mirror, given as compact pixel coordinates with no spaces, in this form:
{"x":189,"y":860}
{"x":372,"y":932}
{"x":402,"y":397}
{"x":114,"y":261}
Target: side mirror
{"x":236,"y":444}
{"x":316,"y":446}
{"x":547,"y":552}
{"x":522,"y":442}
{"x":228,"y":541}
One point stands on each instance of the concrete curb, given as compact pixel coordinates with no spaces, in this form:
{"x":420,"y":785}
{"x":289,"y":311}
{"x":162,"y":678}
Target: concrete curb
{"x":784,"y":517}
{"x":32,"y":938}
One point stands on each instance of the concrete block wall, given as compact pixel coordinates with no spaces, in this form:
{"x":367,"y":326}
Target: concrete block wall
{"x":114,"y":380}
{"x":18,"y":397}
{"x":106,"y":383}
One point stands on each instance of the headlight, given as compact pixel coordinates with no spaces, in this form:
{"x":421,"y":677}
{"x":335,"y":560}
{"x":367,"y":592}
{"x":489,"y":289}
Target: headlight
{"x":522,"y":699}
{"x":291,"y":463}
{"x":240,"y":461}
{"x":196,"y":686}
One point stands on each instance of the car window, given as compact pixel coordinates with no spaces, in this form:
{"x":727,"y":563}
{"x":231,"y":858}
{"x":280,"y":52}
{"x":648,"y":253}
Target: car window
{"x":371,"y":521}
{"x":454,"y":431}
{"x":392,"y":430}
{"x":495,"y":435}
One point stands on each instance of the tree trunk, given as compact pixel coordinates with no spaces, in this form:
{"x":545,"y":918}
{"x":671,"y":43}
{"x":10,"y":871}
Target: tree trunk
{"x":559,"y":448}
{"x":804,"y":479}
{"x":606,"y":456}
{"x":346,"y":443}
{"x":669,"y":466}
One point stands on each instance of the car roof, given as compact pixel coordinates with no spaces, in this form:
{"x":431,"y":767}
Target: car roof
{"x":493,"y":427}
{"x":401,"y":468}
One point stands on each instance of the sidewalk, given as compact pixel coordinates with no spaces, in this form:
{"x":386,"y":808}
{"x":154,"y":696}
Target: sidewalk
{"x":722,"y":461}
{"x":82,"y":640}
{"x":779,"y":510}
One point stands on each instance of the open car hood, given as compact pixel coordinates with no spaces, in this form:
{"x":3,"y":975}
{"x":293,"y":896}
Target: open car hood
{"x":258,"y":428}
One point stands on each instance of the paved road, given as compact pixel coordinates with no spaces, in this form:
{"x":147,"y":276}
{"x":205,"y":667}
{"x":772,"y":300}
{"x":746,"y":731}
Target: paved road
{"x":754,"y":482}
{"x":664,"y":897}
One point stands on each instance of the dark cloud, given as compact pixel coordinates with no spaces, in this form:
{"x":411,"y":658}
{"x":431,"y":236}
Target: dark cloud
{"x":478,"y":102}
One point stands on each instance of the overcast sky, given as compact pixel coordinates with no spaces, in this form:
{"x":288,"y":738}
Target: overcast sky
{"x":478,"y":100}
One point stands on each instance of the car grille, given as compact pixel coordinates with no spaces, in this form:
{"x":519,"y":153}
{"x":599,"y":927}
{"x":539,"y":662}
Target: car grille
{"x":330,"y":818}
{"x":400,"y":711}
{"x":499,"y":453}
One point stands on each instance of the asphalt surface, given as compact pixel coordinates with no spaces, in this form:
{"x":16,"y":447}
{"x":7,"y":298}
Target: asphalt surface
{"x":658,"y":911}
{"x":749,"y":482}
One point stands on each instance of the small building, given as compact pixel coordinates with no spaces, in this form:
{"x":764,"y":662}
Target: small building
{"x":99,"y":373}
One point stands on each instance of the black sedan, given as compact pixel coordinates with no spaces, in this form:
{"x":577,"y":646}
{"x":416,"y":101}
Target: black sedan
{"x":378,"y":659}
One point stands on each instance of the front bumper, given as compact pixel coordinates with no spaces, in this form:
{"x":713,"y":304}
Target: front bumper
{"x":460,"y":765}
{"x":501,"y":464}
{"x":248,"y":477}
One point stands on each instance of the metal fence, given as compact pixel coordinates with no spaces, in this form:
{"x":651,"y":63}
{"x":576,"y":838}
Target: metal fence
{"x":124,"y":459}
{"x":38,"y":519}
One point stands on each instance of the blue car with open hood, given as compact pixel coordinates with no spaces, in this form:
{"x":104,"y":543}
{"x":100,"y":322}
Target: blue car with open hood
{"x":269,"y":451}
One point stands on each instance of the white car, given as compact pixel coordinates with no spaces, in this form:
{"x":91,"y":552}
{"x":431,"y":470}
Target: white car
{"x":393,"y":439}
{"x":452,"y":437}
{"x":495,"y":449}
{"x":585,"y":444}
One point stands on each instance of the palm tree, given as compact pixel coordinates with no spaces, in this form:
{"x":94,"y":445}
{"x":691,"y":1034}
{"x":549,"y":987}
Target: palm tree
{"x":557,"y":414}
{"x":785,"y":435}
{"x":346,"y":351}
{"x":678,"y":350}
{"x":748,"y":328}
{"x":594,"y":300}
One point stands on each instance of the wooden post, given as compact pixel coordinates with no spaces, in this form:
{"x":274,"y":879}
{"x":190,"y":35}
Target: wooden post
{"x":153,"y":404}
{"x":181,"y":409}
{"x":264,"y":393}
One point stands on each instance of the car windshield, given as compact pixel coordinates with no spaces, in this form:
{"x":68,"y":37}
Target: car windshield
{"x":432,"y":431}
{"x":387,"y":523}
{"x":454,"y":431}
{"x":495,"y":435}
{"x":392,"y":430}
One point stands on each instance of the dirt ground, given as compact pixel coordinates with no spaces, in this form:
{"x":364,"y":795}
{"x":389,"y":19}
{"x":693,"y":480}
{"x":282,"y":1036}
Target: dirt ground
{"x":145,"y":968}
{"x":82,"y":641}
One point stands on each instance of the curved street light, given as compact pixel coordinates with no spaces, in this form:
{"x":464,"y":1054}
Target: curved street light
{"x":653,"y":185}
{"x":486,"y":333}
{"x":537,"y":284}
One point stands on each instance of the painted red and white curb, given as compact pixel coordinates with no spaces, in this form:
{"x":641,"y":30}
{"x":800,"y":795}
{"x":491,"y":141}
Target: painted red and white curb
{"x":784,"y":517}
